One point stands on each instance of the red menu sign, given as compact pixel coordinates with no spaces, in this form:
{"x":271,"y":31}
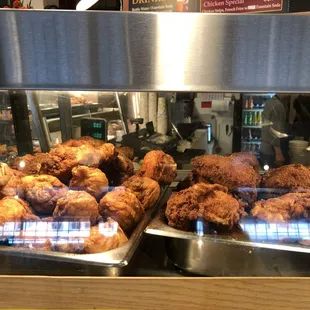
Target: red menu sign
{"x":240,"y":6}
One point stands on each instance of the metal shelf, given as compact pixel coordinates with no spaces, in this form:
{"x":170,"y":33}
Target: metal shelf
{"x":251,"y":142}
{"x":251,"y":126}
{"x":253,"y":110}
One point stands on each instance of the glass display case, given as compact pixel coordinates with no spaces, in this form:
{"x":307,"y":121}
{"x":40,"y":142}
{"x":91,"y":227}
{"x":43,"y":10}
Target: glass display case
{"x":145,"y":154}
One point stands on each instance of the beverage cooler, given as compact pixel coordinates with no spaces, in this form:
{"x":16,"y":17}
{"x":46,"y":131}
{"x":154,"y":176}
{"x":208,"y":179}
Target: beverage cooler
{"x":130,"y":148}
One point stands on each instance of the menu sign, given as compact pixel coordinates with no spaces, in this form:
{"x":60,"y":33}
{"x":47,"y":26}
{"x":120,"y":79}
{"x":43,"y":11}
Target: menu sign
{"x":163,"y":5}
{"x":240,"y":6}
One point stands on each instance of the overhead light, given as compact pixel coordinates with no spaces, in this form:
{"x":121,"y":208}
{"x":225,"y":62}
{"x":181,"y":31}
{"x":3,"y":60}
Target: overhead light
{"x":84,"y":5}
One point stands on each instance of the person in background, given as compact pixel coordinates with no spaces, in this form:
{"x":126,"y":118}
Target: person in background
{"x":301,"y":124}
{"x":274,"y":119}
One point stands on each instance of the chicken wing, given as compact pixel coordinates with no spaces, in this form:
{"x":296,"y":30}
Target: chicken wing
{"x":159,"y":166}
{"x":145,"y":189}
{"x":284,"y":208}
{"x":122,"y":206}
{"x":91,"y":180}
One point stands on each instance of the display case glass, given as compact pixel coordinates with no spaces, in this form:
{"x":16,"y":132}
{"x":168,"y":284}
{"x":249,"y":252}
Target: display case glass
{"x":153,"y":183}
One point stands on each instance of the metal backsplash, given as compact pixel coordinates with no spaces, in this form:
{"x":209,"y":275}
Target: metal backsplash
{"x":154,"y":51}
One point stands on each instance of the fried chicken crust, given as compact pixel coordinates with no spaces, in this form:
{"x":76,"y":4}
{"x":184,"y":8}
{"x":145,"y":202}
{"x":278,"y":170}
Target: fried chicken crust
{"x":102,"y":239}
{"x":229,"y":171}
{"x":77,"y":206}
{"x":248,"y":158}
{"x":159,"y":166}
{"x":43,"y":192}
{"x":211,"y":203}
{"x":293,"y":177}
{"x":91,"y":180}
{"x":126,"y":151}
{"x":123,"y":207}
{"x":15,"y":210}
{"x":145,"y":189}
{"x":284,"y":208}
{"x":14,"y":188}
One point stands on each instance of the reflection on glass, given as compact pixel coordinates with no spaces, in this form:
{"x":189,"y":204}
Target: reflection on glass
{"x":267,"y":232}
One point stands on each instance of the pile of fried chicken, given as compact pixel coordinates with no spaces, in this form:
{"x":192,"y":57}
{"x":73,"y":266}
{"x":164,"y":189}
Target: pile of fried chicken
{"x":219,"y":189}
{"x":71,"y":184}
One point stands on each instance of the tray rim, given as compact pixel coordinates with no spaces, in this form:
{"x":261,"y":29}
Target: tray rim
{"x":119,"y":257}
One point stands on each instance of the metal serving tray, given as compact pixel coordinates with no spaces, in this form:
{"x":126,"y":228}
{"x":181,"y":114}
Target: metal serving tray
{"x":119,"y":257}
{"x":257,"y":249}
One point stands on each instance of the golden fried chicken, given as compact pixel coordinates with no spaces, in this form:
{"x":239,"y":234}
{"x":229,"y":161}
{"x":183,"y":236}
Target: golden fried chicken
{"x":106,"y":150}
{"x":145,"y":189}
{"x":77,"y":206}
{"x":27,"y":164}
{"x":91,"y":180}
{"x":43,"y":192}
{"x":105,"y":237}
{"x":248,"y":158}
{"x":126,"y":151}
{"x":291,"y":177}
{"x":284,"y":208}
{"x":5,"y":174}
{"x":14,"y":188}
{"x":211,"y":203}
{"x":119,"y":170}
{"x":15,"y":210}
{"x":123,"y":207}
{"x":159,"y":166}
{"x":239,"y":177}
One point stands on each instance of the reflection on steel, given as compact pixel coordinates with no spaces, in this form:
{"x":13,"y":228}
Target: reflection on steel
{"x":154,"y":51}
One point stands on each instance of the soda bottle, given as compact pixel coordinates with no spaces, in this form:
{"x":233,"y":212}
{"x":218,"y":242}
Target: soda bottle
{"x":245,"y":118}
{"x":250,"y":119}
{"x":259,"y":118}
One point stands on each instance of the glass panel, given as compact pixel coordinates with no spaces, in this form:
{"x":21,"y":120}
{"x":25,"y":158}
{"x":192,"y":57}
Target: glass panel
{"x":217,"y":183}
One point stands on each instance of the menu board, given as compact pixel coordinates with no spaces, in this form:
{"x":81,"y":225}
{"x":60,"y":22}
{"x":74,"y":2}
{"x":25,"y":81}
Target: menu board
{"x":163,"y":5}
{"x":240,"y":6}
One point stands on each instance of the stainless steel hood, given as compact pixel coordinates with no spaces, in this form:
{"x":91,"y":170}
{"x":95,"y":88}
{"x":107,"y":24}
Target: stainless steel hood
{"x":154,"y":51}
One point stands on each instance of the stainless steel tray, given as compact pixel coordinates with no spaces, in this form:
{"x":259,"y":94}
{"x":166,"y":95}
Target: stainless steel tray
{"x":240,"y":254}
{"x":119,"y":257}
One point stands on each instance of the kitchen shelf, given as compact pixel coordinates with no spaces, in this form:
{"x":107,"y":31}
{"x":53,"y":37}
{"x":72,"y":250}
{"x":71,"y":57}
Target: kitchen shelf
{"x":251,"y":126}
{"x":251,"y":142}
{"x":252,"y":110}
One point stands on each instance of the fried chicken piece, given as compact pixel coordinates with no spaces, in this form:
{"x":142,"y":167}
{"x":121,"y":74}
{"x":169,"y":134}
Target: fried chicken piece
{"x":248,"y":158}
{"x":159,"y":166}
{"x":106,"y":150}
{"x":77,"y":206}
{"x":14,"y":188}
{"x":43,"y":192}
{"x":239,"y":177}
{"x":145,"y":189}
{"x":291,"y":177}
{"x":15,"y":210}
{"x":123,"y":207}
{"x":27,"y":164}
{"x":211,"y":203}
{"x":5,"y":174}
{"x":126,"y":151}
{"x":119,"y":170}
{"x":91,"y":180}
{"x":105,"y":237}
{"x":284,"y":208}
